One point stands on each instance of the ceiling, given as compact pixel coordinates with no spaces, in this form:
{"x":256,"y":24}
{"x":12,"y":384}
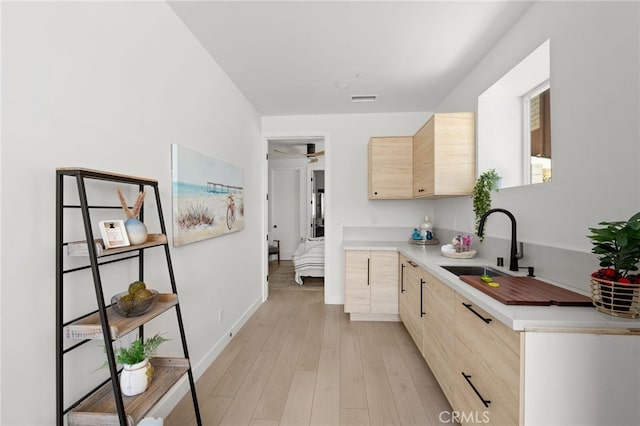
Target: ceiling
{"x":289,"y":58}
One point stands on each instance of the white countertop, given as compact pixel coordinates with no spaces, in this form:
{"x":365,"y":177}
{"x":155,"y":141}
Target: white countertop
{"x":517,"y":317}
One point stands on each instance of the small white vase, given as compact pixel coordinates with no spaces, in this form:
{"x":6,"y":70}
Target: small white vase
{"x":135,"y":378}
{"x":136,"y":230}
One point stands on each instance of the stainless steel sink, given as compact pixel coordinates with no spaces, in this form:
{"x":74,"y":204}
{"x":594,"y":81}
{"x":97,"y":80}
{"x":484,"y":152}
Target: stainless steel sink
{"x":472,"y":270}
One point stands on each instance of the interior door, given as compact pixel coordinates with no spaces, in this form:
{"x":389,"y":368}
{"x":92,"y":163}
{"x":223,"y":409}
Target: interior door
{"x":284,"y":217}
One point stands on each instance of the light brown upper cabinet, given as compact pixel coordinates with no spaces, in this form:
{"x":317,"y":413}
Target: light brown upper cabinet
{"x":444,"y":156}
{"x":390,"y":168}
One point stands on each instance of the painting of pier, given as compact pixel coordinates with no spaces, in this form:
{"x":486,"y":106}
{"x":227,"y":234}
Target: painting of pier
{"x":207,"y":196}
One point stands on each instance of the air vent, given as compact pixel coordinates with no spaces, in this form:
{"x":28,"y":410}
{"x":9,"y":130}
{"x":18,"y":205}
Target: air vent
{"x":363,"y":98}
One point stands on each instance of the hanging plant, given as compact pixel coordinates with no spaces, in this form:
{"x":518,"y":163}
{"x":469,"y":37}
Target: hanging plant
{"x":486,"y":182}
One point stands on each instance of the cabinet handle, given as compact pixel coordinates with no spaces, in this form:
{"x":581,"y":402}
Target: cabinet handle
{"x":402,"y":278}
{"x":422,"y":313}
{"x":469,"y":307}
{"x":368,"y":271}
{"x":467,"y":377}
{"x":410,"y":262}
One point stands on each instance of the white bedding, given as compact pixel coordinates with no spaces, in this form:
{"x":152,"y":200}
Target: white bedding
{"x":308,"y":259}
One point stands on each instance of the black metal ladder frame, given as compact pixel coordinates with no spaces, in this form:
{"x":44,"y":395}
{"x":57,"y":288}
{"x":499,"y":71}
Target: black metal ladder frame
{"x":80,"y":176}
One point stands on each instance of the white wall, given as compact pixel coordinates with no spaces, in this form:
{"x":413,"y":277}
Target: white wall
{"x":110,"y":85}
{"x":346,"y":142}
{"x":595,"y":128}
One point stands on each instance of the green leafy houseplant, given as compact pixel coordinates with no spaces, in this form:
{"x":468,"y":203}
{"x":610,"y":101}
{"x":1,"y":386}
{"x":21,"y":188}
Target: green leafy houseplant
{"x":138,"y":351}
{"x":617,"y":246}
{"x":486,"y":182}
{"x":614,"y":290}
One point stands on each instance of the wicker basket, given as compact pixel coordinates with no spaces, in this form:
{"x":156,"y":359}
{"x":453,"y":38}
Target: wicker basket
{"x":620,"y":300}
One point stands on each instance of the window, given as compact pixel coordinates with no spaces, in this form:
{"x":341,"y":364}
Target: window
{"x":536,"y":107}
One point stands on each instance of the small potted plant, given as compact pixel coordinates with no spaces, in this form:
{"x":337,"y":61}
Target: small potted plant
{"x":137,"y":370}
{"x":615,"y":289}
{"x":486,"y":182}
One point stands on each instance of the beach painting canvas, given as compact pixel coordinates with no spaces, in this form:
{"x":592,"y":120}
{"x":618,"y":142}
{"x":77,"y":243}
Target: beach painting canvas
{"x":207,"y":196}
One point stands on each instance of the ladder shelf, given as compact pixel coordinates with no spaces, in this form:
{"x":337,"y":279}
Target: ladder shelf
{"x":106,"y":405}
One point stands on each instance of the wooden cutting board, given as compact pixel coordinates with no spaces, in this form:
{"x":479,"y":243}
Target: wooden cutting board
{"x":527,"y":291}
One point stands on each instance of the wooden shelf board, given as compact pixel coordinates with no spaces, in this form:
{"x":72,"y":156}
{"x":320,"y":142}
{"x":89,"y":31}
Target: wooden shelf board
{"x":91,"y":328}
{"x":79,"y":248}
{"x":100,"y":407}
{"x":93,"y":173}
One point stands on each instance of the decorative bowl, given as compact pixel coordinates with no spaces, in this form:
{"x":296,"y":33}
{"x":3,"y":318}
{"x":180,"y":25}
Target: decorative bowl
{"x":447,"y":250}
{"x":131,"y":307}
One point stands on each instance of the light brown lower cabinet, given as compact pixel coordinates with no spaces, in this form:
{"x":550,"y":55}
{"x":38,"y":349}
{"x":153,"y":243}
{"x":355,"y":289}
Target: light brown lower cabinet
{"x":474,"y":357}
{"x":494,"y":375}
{"x":371,"y":285}
{"x":487,"y":367}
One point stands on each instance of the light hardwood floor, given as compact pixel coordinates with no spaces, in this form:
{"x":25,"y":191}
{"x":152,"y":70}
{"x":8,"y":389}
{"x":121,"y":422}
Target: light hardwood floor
{"x":300,"y":362}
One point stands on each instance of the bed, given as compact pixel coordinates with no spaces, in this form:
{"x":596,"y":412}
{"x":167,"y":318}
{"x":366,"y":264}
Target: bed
{"x":308,"y":259}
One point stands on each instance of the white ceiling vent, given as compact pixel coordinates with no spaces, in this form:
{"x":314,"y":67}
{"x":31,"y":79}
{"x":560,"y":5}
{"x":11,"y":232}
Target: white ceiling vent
{"x":363,"y":98}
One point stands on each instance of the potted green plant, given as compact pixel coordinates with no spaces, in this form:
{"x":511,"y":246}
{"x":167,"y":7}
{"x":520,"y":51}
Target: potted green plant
{"x":486,"y":182}
{"x":137,"y":370}
{"x":614,"y":288}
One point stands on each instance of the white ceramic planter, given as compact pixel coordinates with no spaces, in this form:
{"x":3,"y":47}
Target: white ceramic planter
{"x":135,"y":378}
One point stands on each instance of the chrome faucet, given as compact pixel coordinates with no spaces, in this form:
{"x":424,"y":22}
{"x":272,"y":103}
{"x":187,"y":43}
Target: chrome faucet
{"x":514,"y":255}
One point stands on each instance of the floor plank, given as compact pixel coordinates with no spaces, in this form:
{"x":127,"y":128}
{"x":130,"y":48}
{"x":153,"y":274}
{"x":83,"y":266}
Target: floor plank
{"x":352,"y":390}
{"x":240,"y":410}
{"x":382,"y":407}
{"x":297,"y":409}
{"x":410,"y":409}
{"x":275,"y":392}
{"x":325,"y":410}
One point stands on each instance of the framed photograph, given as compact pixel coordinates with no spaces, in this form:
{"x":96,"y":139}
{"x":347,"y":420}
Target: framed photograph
{"x":208,"y":196}
{"x":113,"y":233}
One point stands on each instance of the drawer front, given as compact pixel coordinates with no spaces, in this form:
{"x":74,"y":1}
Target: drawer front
{"x":438,"y":333}
{"x":488,"y":349}
{"x":475,"y":398}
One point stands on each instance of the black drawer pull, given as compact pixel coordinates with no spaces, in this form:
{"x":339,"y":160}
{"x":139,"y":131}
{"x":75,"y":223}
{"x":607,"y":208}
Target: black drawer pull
{"x":402,"y":278}
{"x":368,"y":271}
{"x":467,"y":377}
{"x":410,"y":262}
{"x":468,"y":306}
{"x":422,"y":313}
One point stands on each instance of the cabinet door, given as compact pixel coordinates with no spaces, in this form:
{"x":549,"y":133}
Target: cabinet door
{"x":357,"y":286}
{"x":454,"y":152}
{"x":383,"y":272}
{"x":444,"y":156}
{"x":438,"y":332}
{"x":414,"y":282}
{"x":391,"y":168}
{"x":403,"y":306}
{"x":423,"y":160}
